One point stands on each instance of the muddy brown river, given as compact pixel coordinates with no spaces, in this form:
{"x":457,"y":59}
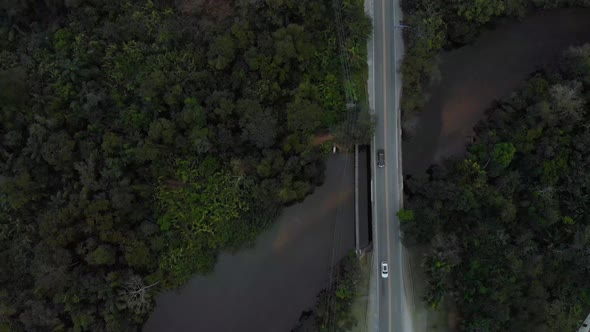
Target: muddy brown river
{"x":475,"y":75}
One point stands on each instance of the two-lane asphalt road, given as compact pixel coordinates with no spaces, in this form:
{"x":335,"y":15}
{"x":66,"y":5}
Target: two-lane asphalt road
{"x":387,"y":48}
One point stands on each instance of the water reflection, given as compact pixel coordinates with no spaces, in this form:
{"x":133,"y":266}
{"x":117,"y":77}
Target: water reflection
{"x":295,"y":227}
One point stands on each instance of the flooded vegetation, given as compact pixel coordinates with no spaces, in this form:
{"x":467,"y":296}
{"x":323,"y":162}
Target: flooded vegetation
{"x":266,"y":287}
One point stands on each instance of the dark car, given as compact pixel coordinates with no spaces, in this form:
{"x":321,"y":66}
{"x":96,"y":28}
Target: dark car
{"x":380,"y":158}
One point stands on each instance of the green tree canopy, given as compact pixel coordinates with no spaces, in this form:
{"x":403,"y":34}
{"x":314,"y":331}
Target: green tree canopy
{"x":141,"y":138}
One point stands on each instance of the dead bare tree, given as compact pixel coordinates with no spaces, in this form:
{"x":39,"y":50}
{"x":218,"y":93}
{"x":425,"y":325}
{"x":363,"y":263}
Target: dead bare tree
{"x":567,"y":100}
{"x":135,"y":294}
{"x":545,"y":193}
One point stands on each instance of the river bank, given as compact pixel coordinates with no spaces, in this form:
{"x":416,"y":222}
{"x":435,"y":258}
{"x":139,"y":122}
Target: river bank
{"x":472,"y":77}
{"x":266,"y":287}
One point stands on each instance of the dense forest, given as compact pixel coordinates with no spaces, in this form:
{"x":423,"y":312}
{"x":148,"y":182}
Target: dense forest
{"x":507,"y":227}
{"x":141,"y":138}
{"x":436,"y":25}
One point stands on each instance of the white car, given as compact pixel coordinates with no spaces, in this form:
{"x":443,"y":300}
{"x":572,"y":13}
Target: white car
{"x":384,"y":270}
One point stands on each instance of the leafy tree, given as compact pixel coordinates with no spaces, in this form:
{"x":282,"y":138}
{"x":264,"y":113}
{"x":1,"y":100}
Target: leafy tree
{"x":502,"y":155}
{"x":103,"y":255}
{"x":222,"y":52}
{"x":480,"y":11}
{"x":259,"y":126}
